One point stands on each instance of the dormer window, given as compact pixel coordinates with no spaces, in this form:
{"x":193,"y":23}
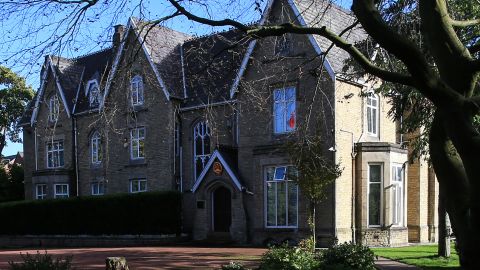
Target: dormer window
{"x":93,"y":92}
{"x":136,"y":88}
{"x":53,"y":108}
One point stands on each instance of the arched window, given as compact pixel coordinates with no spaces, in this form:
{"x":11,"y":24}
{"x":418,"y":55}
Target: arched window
{"x":93,"y":92}
{"x":96,"y":148}
{"x":201,"y":147}
{"x":372,"y":114}
{"x":136,"y":88}
{"x":53,"y":108}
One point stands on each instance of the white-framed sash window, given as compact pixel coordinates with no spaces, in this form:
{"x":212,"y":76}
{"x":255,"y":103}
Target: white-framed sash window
{"x":53,"y":108}
{"x":41,"y":191}
{"x":137,"y":143}
{"x":96,"y":148}
{"x":375,"y":172}
{"x":397,"y":192}
{"x":98,"y":188}
{"x":61,"y":191}
{"x":55,"y":158}
{"x":138,"y":185}
{"x":136,"y":90}
{"x":284,"y":110}
{"x":281,"y":197}
{"x":372,"y":114}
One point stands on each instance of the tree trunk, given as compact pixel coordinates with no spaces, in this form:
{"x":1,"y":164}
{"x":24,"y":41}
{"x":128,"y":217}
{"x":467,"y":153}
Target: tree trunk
{"x":443,"y":230}
{"x":459,"y":190}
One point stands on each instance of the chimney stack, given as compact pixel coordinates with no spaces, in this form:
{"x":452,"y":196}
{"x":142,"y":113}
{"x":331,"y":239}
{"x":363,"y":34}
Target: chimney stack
{"x":118,"y":35}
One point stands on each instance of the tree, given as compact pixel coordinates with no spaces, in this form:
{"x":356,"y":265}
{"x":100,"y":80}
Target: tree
{"x":14,"y":96}
{"x":11,"y":184}
{"x":444,"y":72}
{"x":316,"y":172}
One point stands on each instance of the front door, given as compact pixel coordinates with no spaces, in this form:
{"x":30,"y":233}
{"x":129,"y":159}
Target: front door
{"x":222,"y":209}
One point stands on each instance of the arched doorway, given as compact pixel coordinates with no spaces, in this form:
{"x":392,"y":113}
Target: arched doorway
{"x":222,"y":209}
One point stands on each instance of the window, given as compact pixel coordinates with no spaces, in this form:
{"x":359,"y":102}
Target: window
{"x":41,"y":192}
{"x":55,"y":154}
{"x":201,"y":147}
{"x":137,"y":143}
{"x":283,"y":45}
{"x":136,"y":87}
{"x":98,"y":188}
{"x":93,"y":92}
{"x":96,"y":148}
{"x":284,"y":110}
{"x":61,"y":191}
{"x":374,"y":194}
{"x":372,"y":114}
{"x":138,"y":185}
{"x":281,"y":197}
{"x":53,"y":108}
{"x":397,"y":194}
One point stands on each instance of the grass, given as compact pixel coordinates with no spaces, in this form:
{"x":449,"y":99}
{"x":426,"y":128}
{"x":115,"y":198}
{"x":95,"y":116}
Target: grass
{"x":423,"y":256}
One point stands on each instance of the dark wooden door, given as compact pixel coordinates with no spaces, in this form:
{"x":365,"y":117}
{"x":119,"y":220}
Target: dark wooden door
{"x":222,"y":210}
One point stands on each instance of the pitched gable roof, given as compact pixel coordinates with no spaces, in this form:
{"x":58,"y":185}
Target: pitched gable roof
{"x":211,"y":65}
{"x":158,"y":44}
{"x":318,"y":13}
{"x":217,"y":155}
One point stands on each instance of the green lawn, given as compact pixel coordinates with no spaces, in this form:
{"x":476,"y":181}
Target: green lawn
{"x":424,"y":257}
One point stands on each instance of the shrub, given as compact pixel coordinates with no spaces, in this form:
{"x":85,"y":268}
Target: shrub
{"x":42,"y":262}
{"x":234,"y":266}
{"x":142,"y":213}
{"x":348,"y":256}
{"x":289,"y":258}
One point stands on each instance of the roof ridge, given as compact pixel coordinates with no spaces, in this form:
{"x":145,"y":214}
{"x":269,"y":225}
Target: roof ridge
{"x":91,"y":53}
{"x":197,"y":37}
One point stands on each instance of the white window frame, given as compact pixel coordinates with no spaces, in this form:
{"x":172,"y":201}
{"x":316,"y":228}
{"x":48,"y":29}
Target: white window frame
{"x":61,"y":195}
{"x":95,"y":188}
{"x":137,"y":182}
{"x":398,"y":192}
{"x":96,"y":148}
{"x":43,"y":188}
{"x":55,"y":158}
{"x":282,"y":104}
{"x":137,"y":91}
{"x":275,"y":181}
{"x":93,"y":84}
{"x":135,"y":142}
{"x":201,"y":130}
{"x":53,"y":108}
{"x":381,"y":194}
{"x":372,"y":114}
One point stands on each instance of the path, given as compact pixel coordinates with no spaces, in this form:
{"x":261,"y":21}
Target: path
{"x":387,"y":264}
{"x":144,"y":258}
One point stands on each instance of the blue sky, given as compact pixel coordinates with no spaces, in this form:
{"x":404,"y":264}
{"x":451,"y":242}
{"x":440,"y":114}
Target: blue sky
{"x":94,"y":33}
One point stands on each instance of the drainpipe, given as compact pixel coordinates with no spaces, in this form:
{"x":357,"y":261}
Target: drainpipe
{"x":353,"y":155}
{"x":76,"y":152}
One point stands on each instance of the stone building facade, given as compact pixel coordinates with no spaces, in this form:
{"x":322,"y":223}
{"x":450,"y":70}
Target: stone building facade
{"x":209,"y":116}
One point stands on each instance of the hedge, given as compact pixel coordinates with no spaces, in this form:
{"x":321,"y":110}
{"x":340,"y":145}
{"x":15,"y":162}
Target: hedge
{"x":142,"y":213}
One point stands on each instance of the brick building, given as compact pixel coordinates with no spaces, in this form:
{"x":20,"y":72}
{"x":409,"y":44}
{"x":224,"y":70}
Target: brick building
{"x":209,"y":116}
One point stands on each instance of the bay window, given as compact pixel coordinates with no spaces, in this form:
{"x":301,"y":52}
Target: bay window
{"x":397,"y":194}
{"x":374,"y":194}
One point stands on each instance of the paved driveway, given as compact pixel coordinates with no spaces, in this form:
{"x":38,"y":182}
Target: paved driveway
{"x":148,"y":257}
